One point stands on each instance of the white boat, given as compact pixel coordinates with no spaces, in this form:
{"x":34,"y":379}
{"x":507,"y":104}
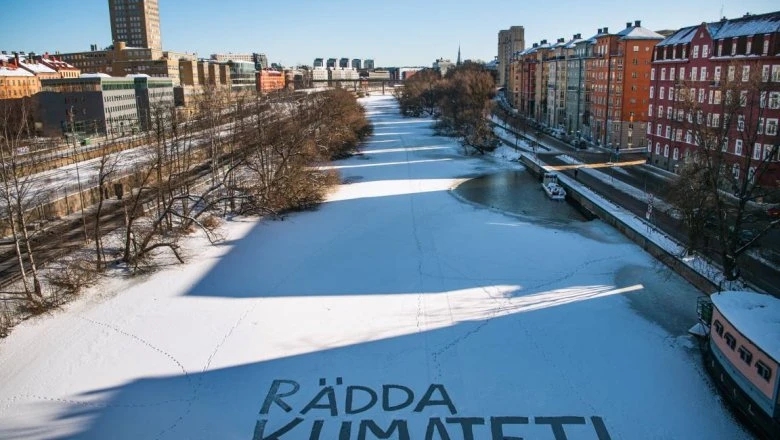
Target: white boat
{"x":550,"y":185}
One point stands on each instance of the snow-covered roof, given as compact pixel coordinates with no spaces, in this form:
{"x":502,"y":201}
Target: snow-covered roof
{"x":137,"y":75}
{"x":639,"y":33}
{"x":755,"y":315}
{"x":748,"y":25}
{"x":37,"y":67}
{"x":738,"y":27}
{"x":682,"y":36}
{"x":95,"y":75}
{"x":12,"y":71}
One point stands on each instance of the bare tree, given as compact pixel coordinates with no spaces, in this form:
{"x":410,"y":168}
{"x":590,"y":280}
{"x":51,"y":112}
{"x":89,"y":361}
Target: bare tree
{"x":733,"y":167}
{"x":17,"y":192}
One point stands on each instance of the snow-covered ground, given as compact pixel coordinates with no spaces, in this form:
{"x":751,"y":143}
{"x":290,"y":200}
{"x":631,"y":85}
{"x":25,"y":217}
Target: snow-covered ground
{"x":393,"y":307}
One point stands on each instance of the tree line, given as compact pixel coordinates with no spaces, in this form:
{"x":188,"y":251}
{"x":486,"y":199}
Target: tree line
{"x":460,"y":101}
{"x":234,"y":154}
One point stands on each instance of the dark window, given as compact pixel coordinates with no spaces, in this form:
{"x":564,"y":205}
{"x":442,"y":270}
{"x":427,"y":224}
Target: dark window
{"x":730,"y":341}
{"x":763,"y":370}
{"x":718,"y":328}
{"x":745,"y":355}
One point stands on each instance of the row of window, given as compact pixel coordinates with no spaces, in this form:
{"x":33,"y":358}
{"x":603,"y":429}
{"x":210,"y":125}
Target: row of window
{"x":762,"y":369}
{"x":766,"y":152}
{"x":768,"y":72}
{"x":669,"y":52}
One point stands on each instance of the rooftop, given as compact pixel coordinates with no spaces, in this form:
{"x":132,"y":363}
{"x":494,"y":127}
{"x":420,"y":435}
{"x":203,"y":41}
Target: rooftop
{"x":755,"y":315}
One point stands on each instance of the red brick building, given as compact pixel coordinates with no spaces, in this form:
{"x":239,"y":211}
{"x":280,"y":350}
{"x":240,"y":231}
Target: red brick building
{"x":620,"y":83}
{"x":695,"y":68}
{"x":270,"y":80}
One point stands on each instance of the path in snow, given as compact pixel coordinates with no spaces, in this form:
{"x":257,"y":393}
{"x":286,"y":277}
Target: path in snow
{"x":430,"y":313}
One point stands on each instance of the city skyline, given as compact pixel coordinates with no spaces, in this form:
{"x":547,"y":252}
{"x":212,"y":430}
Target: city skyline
{"x":402,"y":34}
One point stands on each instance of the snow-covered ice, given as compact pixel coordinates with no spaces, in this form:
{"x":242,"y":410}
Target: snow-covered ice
{"x":412,"y":310}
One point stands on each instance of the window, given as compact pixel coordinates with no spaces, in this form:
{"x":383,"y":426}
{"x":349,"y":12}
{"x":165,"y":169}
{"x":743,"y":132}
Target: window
{"x":694,"y":73}
{"x":669,"y":112}
{"x":716,"y":99}
{"x":652,"y":91}
{"x":705,"y":51}
{"x":650,"y":110}
{"x":757,"y":151}
{"x":735,"y":173}
{"x":732,"y":72}
{"x":657,"y":148}
{"x":771,"y":127}
{"x":763,"y":370}
{"x":652,"y":74}
{"x":688,"y":137}
{"x":765,"y":72}
{"x":696,"y":51}
{"x":658,"y":130}
{"x":668,"y":134}
{"x":716,"y":75}
{"x":745,"y":73}
{"x":741,"y":123}
{"x":671,"y":73}
{"x":730,"y":341}
{"x":682,"y":73}
{"x":776,"y":72}
{"x":760,"y":127}
{"x":663,"y":74}
{"x":716,"y":120}
{"x":738,"y":147}
{"x":703,"y":74}
{"x":743,"y":98}
{"x":660,"y":111}
{"x":676,"y":154}
{"x":671,"y":93}
{"x":725,"y":145}
{"x":636,"y":48}
{"x":766,"y":46}
{"x":701,"y":95}
{"x":666,"y":150}
{"x":769,"y":152}
{"x":745,"y":354}
{"x":678,"y":135}
{"x":774,"y":100}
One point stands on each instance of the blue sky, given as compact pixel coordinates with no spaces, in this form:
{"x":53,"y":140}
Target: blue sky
{"x":394,"y":33}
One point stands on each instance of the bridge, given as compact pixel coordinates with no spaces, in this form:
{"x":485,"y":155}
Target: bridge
{"x":360,"y":84}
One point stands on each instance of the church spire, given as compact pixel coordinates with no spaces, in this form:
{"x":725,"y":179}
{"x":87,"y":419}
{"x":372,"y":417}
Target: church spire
{"x":458,"y":62}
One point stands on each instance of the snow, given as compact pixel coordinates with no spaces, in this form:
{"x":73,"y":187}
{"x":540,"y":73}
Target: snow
{"x":392,"y":282}
{"x":755,"y":315}
{"x":5,"y":71}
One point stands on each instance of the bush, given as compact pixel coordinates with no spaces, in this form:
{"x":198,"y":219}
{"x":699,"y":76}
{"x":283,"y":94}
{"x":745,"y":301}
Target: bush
{"x":72,"y":277}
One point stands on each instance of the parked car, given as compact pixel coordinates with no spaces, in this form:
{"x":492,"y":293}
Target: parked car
{"x":773,"y":212}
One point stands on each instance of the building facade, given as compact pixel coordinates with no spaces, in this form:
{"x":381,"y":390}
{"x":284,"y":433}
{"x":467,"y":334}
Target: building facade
{"x":368,"y":64}
{"x":620,"y":86}
{"x":699,"y":66}
{"x":270,"y":80}
{"x":136,"y":22}
{"x":16,"y":82}
{"x":510,"y":41}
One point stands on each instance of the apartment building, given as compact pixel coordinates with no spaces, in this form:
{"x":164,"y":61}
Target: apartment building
{"x":510,"y":42}
{"x":620,"y":85}
{"x":270,"y":80}
{"x":16,"y":82}
{"x":702,"y":66}
{"x":136,"y":22}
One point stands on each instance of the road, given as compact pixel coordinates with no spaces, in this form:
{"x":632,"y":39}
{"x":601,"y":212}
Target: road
{"x":650,"y":180}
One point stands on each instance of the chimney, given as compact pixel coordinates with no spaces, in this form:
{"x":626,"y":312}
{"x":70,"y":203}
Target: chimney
{"x":544,"y":42}
{"x":16,"y":59}
{"x":637,"y":23}
{"x":536,"y":45}
{"x":561,"y":40}
{"x":606,"y":30}
{"x":628,"y":24}
{"x":598,"y":31}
